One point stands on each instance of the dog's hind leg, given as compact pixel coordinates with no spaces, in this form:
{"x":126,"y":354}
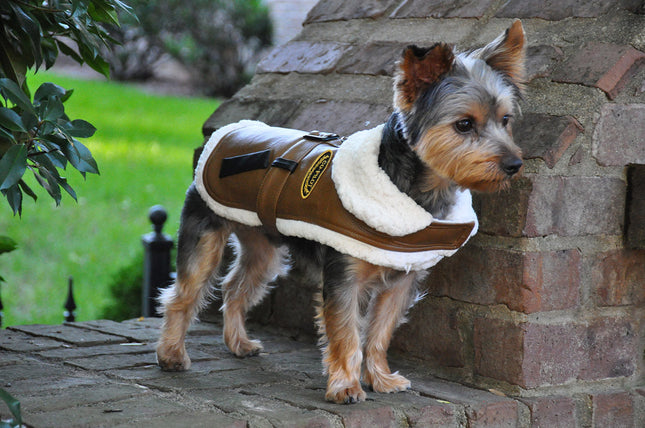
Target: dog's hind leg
{"x":202,"y":239}
{"x":387,"y":311}
{"x":258,"y":262}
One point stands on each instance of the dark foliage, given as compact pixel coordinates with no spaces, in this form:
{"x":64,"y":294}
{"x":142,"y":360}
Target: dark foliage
{"x":218,"y":41}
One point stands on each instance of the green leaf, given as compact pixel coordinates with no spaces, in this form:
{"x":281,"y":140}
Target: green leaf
{"x":14,"y":406}
{"x":49,"y":183}
{"x":47,"y":90}
{"x":12,"y":166}
{"x":7,"y":135}
{"x":54,"y":109}
{"x":25,"y":188}
{"x":9,"y":119}
{"x":62,"y":181}
{"x":32,"y":29}
{"x":80,"y":157}
{"x":14,"y":197}
{"x":102,"y":14}
{"x":13,"y":92}
{"x":68,"y":51}
{"x":57,"y":159}
{"x":89,"y":164}
{"x":79,"y":128}
{"x":12,"y":63}
{"x":7,"y":244}
{"x":49,"y":52}
{"x":68,"y":93}
{"x":29,"y":120}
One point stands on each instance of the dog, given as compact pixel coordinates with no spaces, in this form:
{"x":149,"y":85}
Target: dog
{"x":450,"y":132}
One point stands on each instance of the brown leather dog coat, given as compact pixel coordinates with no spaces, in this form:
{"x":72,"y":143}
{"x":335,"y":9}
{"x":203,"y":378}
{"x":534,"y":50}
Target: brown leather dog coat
{"x":282,"y":180}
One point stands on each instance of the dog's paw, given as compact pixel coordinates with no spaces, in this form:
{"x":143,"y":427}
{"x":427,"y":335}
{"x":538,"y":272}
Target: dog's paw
{"x":349,"y":395}
{"x":246,"y":348}
{"x":387,"y":382}
{"x":173,"y":360}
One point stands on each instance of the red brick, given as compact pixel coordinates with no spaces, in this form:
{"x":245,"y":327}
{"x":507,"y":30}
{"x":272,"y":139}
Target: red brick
{"x":376,"y":416}
{"x":340,"y":117}
{"x":500,"y":414}
{"x":613,"y":81}
{"x":618,"y":139}
{"x":499,"y":349}
{"x":547,"y":9}
{"x":472,"y":274}
{"x":552,"y":412}
{"x":526,"y":354}
{"x":532,"y":355}
{"x":601,"y":65}
{"x":541,"y":59}
{"x":537,"y":206}
{"x":635,"y":221}
{"x":576,"y":157}
{"x":563,"y":206}
{"x":523,"y":281}
{"x":551,"y":281}
{"x":617,"y":277}
{"x":504,"y":213}
{"x":435,"y":333}
{"x":291,"y":305}
{"x":341,"y":10}
{"x":610,"y":344}
{"x":613,"y":410}
{"x":441,"y":9}
{"x":433,"y":414}
{"x":546,"y":137}
{"x":303,"y":57}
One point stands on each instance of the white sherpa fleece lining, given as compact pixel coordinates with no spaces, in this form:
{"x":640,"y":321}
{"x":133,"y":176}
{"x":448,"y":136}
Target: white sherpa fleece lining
{"x":383,"y":207}
{"x":366,"y":190}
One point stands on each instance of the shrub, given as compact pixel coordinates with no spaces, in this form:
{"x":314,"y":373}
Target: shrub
{"x":125,"y":291}
{"x":219,"y":41}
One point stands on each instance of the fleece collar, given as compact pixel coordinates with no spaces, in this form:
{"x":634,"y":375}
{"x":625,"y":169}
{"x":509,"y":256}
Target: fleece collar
{"x":367,"y":192}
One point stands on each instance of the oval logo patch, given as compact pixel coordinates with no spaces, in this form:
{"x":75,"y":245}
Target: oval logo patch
{"x":315,"y":172}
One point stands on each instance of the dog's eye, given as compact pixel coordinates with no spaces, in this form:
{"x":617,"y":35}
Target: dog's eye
{"x":505,"y":120}
{"x":464,"y":125}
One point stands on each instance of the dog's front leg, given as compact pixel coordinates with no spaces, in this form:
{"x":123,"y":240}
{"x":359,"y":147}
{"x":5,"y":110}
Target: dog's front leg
{"x":387,"y":311}
{"x":340,"y":324}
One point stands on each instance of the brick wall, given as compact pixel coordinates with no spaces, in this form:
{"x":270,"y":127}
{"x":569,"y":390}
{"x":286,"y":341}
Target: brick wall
{"x":548,"y":301}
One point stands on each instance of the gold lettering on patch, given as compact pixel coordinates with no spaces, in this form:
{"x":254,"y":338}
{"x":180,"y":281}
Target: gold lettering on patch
{"x":315,"y":172}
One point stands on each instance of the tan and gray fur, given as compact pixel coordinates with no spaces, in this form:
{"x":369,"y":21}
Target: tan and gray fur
{"x":451,"y":128}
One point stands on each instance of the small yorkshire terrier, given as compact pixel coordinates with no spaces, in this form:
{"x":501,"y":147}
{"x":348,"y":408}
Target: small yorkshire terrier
{"x":450,"y":131}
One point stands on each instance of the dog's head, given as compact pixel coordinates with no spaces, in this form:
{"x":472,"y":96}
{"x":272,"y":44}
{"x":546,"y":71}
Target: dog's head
{"x":457,"y":108}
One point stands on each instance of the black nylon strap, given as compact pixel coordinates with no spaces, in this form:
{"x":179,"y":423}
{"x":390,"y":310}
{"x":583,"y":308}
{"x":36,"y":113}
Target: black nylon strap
{"x":243,"y":163}
{"x":287,"y":164}
{"x":321,"y":136}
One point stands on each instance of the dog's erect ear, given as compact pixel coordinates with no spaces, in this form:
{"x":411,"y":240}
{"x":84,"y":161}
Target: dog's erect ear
{"x":507,"y":53}
{"x":418,"y":69}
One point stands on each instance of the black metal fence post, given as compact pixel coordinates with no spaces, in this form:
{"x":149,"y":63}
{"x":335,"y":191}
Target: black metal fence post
{"x":156,"y":263}
{"x":70,"y":305}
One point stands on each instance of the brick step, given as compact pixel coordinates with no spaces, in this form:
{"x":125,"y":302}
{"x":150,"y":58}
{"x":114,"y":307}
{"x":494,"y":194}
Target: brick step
{"x":104,"y":373}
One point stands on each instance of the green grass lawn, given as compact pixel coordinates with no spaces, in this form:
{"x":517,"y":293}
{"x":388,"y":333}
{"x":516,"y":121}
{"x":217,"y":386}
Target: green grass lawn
{"x":144,"y":147}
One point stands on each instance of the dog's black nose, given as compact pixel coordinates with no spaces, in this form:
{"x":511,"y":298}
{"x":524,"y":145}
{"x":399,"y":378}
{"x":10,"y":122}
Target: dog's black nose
{"x":511,"y":165}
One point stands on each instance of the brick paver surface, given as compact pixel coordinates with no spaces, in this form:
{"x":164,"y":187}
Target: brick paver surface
{"x":102,"y":373}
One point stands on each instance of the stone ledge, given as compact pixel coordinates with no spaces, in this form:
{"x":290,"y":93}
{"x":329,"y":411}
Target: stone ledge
{"x":64,"y":382}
